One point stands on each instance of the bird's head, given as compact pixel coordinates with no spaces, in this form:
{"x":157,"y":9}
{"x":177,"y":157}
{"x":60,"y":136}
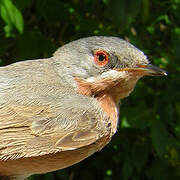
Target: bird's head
{"x":104,"y":64}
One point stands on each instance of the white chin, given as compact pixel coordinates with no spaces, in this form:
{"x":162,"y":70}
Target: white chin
{"x":111,"y":75}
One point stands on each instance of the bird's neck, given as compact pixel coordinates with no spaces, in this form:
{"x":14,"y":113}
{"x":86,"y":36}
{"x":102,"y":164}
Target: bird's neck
{"x":108,"y":95}
{"x":116,"y":89}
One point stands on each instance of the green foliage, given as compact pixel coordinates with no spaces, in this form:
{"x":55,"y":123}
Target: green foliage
{"x":147,"y":144}
{"x":11,"y":16}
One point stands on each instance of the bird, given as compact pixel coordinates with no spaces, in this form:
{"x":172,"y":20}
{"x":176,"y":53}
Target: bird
{"x":57,"y":111}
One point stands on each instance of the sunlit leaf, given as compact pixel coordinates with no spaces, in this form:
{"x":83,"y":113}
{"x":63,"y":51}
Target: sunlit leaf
{"x":11,"y":15}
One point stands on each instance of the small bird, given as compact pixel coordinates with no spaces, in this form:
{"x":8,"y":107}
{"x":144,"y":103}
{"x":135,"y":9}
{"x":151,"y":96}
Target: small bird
{"x":57,"y":111}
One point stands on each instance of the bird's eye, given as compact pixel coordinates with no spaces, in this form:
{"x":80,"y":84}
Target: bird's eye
{"x":101,"y":58}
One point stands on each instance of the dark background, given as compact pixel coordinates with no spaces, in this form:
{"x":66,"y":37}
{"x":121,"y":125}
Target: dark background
{"x":147,"y":145}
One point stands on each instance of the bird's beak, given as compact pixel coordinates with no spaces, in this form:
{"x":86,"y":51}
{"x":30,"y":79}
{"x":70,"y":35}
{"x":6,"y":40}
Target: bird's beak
{"x":146,"y":70}
{"x":151,"y":70}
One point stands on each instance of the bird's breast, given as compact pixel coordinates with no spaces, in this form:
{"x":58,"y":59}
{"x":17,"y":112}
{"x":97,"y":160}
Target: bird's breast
{"x":106,"y":99}
{"x":109,"y":106}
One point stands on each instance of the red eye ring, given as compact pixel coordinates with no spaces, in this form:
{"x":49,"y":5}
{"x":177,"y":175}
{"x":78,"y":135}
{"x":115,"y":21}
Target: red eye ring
{"x":101,"y":58}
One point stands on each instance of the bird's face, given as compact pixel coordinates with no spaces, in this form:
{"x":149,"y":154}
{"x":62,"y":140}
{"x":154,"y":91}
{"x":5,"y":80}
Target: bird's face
{"x":105,"y":64}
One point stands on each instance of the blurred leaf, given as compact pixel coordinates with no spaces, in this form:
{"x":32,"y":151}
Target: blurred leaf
{"x":33,"y":45}
{"x":124,"y":11}
{"x":174,"y":157}
{"x":11,"y":16}
{"x":160,"y":171}
{"x":127,"y":170}
{"x":134,"y":119}
{"x":8,"y":30}
{"x":159,"y":137}
{"x":124,"y":123}
{"x":165,"y":18}
{"x":22,"y":4}
{"x":145,"y":10}
{"x":140,"y":153}
{"x":52,"y":11}
{"x":178,"y":109}
{"x":151,"y":29}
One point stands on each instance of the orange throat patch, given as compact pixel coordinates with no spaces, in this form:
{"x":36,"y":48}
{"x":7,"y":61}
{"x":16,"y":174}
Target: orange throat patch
{"x":108,"y":93}
{"x":108,"y":104}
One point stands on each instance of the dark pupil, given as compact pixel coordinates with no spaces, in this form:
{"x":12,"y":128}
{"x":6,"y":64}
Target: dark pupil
{"x":101,"y":57}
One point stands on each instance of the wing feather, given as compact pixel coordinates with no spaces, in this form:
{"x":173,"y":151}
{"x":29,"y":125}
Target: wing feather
{"x":34,"y":130}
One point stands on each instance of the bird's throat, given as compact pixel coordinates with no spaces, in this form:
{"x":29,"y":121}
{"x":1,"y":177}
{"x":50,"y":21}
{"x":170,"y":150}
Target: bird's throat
{"x":117,"y":89}
{"x":108,"y":94}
